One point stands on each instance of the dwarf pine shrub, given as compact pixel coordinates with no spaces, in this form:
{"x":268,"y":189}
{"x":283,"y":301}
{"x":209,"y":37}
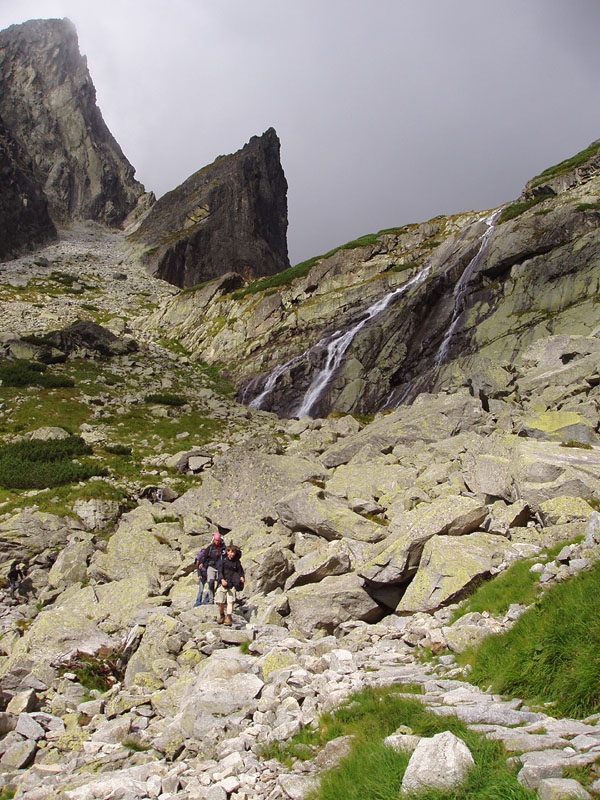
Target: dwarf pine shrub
{"x":166,"y":399}
{"x":35,"y":464}
{"x":31,"y":373}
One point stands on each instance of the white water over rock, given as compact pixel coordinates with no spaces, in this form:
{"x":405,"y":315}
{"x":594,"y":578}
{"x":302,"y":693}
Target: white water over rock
{"x":336,"y":346}
{"x":460,"y":289}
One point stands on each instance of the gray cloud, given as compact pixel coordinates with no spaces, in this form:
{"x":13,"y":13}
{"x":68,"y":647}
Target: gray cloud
{"x":388,"y":112}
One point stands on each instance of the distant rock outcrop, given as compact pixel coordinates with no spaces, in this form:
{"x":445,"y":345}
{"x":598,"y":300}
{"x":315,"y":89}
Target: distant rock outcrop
{"x":24,"y":218}
{"x":230,"y":216}
{"x":48,"y":105}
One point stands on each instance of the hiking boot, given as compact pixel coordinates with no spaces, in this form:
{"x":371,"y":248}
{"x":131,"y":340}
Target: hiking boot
{"x":227,"y":619}
{"x":221,"y":618}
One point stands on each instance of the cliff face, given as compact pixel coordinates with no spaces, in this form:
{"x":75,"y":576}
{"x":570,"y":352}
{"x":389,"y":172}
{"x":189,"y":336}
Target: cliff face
{"x":228,"y":216}
{"x":439,"y":305}
{"x":24,"y":218}
{"x":48,"y":104}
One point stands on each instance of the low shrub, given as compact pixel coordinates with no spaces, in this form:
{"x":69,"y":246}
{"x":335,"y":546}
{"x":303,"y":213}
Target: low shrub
{"x":21,"y":373}
{"x":568,"y":164}
{"x":34,"y":464}
{"x":166,"y":399}
{"x":96,"y":673}
{"x":118,"y":449}
{"x":516,"y":209}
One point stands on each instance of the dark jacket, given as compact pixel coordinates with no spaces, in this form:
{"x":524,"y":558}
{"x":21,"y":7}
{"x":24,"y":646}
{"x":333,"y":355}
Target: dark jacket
{"x":213,"y":555}
{"x":232,"y":572}
{"x":15,"y":572}
{"x":200,"y":565}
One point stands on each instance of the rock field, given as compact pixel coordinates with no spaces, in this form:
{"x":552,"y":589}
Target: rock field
{"x":349,"y":531}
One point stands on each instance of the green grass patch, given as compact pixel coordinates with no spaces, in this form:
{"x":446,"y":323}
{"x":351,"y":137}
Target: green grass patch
{"x":34,"y":464}
{"x":134,"y":744}
{"x":174,"y":346}
{"x":219,"y":384}
{"x":274,"y":281}
{"x":516,"y":209}
{"x":588,"y":206}
{"x":569,"y":164}
{"x":372,"y":770}
{"x":517,"y":584}
{"x":552,"y":654}
{"x":303,"y":268}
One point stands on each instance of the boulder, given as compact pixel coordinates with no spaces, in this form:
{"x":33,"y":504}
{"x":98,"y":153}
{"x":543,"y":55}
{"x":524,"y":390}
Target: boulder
{"x":442,"y":762}
{"x":335,"y":600}
{"x":313,"y":509}
{"x":490,"y":475}
{"x":559,"y":426}
{"x":274,"y":568}
{"x":71,"y":564}
{"x":246,"y":484}
{"x":136,"y":548}
{"x":353,"y":482}
{"x":469,"y":631}
{"x":154,"y":646}
{"x":560,"y":510}
{"x":410,"y":530}
{"x":333,"y":559}
{"x":449,"y":566}
{"x":97,"y":514}
{"x":88,"y":335}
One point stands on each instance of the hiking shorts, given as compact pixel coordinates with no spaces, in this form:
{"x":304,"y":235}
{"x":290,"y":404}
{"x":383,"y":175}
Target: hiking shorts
{"x":223,"y":595}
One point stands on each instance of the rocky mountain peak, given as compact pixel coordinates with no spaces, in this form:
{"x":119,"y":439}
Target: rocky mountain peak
{"x":230,"y":216}
{"x":48,"y":104}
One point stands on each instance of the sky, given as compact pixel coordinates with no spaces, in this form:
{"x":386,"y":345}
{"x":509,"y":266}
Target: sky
{"x":388,"y":111}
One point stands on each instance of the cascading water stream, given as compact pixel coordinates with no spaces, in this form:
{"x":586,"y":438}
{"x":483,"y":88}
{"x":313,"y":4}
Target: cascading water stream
{"x":335,"y":345}
{"x":460,"y":289}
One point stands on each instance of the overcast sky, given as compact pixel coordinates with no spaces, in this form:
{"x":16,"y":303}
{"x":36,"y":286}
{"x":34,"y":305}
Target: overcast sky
{"x":388,"y":111}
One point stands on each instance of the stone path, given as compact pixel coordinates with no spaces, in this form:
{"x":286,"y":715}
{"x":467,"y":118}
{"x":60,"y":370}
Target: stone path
{"x":327,"y":672}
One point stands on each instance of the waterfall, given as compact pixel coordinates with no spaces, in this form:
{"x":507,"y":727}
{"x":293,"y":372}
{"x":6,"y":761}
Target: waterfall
{"x":461,"y":287}
{"x":335,"y":346}
{"x":280,"y":370}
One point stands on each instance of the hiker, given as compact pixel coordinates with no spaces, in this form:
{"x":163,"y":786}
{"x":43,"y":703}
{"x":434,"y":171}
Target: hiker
{"x":213,"y":555}
{"x":203,"y":595}
{"x":231,"y":581}
{"x":15,"y":576}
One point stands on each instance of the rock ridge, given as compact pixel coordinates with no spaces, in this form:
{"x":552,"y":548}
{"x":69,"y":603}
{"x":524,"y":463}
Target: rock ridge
{"x":48,"y":103}
{"x":230,"y":216}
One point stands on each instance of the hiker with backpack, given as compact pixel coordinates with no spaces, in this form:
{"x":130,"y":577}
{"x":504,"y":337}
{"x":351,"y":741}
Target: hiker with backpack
{"x":15,"y":576}
{"x":231,"y":581}
{"x":203,"y":595}
{"x":207,"y":563}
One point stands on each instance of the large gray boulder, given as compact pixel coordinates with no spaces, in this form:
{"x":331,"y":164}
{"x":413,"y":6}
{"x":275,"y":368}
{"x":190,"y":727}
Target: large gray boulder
{"x":442,"y":762}
{"x":397,"y":562}
{"x":335,"y":600}
{"x":313,"y":509}
{"x":247,"y":483}
{"x":449,"y":566}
